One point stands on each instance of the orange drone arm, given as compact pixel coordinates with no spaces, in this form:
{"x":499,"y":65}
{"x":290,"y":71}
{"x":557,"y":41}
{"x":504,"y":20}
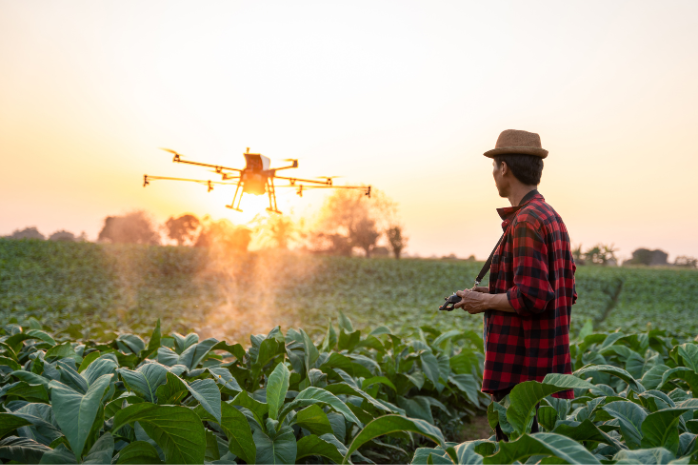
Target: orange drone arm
{"x":218,"y":168}
{"x":147,"y":179}
{"x":303,"y":180}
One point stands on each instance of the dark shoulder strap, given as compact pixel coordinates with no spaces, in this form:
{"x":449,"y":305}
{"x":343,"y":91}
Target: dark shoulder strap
{"x":488,"y":263}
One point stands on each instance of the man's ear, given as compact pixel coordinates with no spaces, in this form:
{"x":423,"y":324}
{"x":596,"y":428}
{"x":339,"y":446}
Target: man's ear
{"x":504,"y":168}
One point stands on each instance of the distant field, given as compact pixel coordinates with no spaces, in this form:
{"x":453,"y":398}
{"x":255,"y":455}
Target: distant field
{"x":98,"y":289}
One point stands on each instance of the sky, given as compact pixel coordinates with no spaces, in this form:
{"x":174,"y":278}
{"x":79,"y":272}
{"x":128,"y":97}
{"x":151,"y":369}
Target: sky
{"x":402,"y":95}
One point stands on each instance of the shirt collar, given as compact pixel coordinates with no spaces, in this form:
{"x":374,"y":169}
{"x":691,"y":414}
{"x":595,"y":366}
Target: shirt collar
{"x":507,"y":212}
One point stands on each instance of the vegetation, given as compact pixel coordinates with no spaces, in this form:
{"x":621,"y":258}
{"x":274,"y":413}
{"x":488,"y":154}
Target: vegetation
{"x":396,"y":383}
{"x":217,"y":292}
{"x":635,"y":402}
{"x":285,"y":399}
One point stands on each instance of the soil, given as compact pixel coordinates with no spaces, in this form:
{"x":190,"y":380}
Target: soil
{"x":478,"y":428}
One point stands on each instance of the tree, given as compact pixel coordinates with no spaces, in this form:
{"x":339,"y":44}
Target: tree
{"x":686,"y":261}
{"x":27,"y":233}
{"x":62,"y":236}
{"x":601,"y":254}
{"x":182,"y":229}
{"x":352,"y":215}
{"x":132,"y":228}
{"x":647,"y":257}
{"x":364,"y":234}
{"x":397,"y":240}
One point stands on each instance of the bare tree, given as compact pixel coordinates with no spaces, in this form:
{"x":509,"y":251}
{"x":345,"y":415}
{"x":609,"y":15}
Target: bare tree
{"x":397,"y":240}
{"x":132,"y":228}
{"x":183,"y":229}
{"x":27,"y":233}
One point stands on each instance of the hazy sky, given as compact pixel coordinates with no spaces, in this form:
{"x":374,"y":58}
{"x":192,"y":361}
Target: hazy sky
{"x":402,"y":95}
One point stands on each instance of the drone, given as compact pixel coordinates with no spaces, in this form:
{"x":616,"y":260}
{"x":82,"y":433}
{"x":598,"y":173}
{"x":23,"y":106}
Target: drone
{"x":257,"y":178}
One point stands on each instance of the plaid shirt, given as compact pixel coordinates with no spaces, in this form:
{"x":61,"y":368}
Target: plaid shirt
{"x":533,"y":265}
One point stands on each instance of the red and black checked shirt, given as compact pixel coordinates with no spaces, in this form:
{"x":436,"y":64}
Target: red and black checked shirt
{"x":533,"y":265}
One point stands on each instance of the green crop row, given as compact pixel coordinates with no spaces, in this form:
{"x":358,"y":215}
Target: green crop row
{"x":285,"y":399}
{"x":88,"y":289}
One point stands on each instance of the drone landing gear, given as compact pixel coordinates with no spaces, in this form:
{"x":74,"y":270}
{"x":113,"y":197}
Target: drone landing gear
{"x":232,"y":205}
{"x":272,"y":197}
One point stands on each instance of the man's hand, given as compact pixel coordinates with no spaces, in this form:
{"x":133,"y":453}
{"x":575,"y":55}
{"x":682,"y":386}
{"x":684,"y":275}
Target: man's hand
{"x":478,"y":300}
{"x":474,"y":301}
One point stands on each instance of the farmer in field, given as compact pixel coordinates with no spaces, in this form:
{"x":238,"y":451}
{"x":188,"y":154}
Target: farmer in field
{"x":528,"y":303}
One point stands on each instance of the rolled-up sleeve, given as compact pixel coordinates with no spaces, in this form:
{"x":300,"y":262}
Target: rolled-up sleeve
{"x":532,"y":290}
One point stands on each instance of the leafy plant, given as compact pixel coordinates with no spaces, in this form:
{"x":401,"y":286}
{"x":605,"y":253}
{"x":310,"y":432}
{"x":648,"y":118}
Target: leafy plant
{"x":634,"y":403}
{"x":284,"y":399}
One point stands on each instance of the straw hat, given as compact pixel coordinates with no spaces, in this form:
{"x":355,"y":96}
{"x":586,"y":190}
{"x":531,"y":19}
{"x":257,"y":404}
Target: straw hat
{"x":514,"y":141}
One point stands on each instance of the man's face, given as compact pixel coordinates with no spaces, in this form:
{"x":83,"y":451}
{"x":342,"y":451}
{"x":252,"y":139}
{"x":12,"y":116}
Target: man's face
{"x":500,"y":180}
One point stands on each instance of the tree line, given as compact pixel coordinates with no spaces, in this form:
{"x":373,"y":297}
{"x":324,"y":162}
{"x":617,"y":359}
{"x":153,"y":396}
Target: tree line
{"x":347,"y":224}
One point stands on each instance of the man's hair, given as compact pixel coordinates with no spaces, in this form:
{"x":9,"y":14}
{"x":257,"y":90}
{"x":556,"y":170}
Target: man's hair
{"x":525,"y":168}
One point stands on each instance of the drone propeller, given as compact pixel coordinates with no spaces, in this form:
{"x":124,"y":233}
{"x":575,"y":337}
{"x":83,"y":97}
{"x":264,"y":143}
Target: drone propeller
{"x":328,"y":179}
{"x":176,"y":155}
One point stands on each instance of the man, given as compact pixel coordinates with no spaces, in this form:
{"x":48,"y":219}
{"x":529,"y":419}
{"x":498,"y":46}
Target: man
{"x":528,"y":302}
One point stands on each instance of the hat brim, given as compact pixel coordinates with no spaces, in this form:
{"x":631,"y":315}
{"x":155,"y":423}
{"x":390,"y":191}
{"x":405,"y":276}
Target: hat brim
{"x":542,"y":153}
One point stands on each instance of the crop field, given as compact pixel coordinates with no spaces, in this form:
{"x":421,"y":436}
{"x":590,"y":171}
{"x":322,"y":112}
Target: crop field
{"x":89,"y":289}
{"x":125,"y":354}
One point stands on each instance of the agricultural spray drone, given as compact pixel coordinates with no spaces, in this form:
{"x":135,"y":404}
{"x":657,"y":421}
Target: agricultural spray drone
{"x":256,"y":178}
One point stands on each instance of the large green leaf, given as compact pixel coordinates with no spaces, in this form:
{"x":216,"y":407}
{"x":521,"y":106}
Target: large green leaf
{"x":660,"y":429}
{"x":280,"y":448}
{"x":177,"y":430}
{"x":145,"y":380}
{"x":22,"y":450}
{"x":239,"y":434}
{"x":314,"y":395}
{"x":182,"y":343}
{"x":630,"y":416}
{"x":365,"y":384}
{"x":208,"y":395}
{"x":172,"y":391}
{"x":682,"y":373}
{"x":76,"y":413}
{"x":99,"y":367}
{"x":546,"y":444}
{"x":223,"y":377}
{"x":194,"y":354}
{"x":101,"y":451}
{"x":138,"y":452}
{"x":585,"y":431}
{"x":689,"y":353}
{"x":393,"y":424}
{"x":524,"y":398}
{"x":430,"y":367}
{"x":314,"y":420}
{"x":468,"y":385}
{"x":313,"y":445}
{"x":154,"y":342}
{"x":613,"y":371}
{"x":277,"y":387}
{"x":416,"y":407}
{"x":59,"y":455}
{"x":8,"y":362}
{"x":259,"y":409}
{"x":9,"y":422}
{"x":657,"y":455}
